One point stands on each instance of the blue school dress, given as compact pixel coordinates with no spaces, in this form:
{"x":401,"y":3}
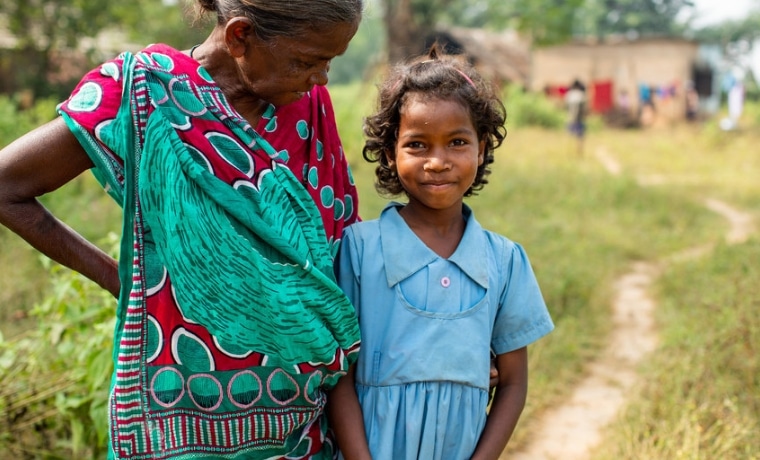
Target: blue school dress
{"x":428,"y":325}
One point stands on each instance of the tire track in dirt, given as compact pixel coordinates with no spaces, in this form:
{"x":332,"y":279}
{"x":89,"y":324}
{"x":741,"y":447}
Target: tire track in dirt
{"x":572,"y":430}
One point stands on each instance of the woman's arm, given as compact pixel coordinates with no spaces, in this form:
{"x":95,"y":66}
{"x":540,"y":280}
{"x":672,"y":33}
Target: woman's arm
{"x":507,"y":405}
{"x":38,"y":163}
{"x":345,"y":416}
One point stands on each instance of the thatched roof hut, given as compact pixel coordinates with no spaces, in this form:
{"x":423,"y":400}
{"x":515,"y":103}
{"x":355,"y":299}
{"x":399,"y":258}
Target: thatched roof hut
{"x":499,"y":56}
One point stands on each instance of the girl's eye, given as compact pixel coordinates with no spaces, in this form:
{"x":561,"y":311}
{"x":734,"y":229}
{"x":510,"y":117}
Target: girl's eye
{"x":414,"y":145}
{"x":459,"y":142}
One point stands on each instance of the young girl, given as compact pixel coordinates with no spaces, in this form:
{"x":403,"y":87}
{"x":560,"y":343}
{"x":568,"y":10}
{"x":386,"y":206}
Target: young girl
{"x":435,"y":293}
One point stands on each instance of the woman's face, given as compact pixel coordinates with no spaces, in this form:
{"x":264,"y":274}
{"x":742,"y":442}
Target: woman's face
{"x":282,"y":70}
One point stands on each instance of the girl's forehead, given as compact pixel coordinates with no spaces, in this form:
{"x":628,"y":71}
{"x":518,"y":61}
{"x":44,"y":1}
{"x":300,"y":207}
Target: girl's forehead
{"x":431,"y":101}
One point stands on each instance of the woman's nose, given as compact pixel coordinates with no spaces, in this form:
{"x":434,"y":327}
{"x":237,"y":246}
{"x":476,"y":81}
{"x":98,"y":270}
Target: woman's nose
{"x":320,"y":77}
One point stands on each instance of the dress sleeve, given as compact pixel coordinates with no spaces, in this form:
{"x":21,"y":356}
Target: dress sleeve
{"x":347,"y":268}
{"x":522,"y":316}
{"x":96,"y":115}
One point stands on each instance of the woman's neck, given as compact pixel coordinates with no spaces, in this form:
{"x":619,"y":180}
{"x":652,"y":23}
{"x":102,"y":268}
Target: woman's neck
{"x":215,"y":58}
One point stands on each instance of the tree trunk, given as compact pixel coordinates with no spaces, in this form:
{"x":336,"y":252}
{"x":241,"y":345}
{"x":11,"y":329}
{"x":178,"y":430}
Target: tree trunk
{"x":405,"y":36}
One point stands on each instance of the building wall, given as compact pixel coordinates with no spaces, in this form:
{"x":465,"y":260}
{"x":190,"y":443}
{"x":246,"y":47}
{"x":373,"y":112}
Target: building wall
{"x":661,"y":64}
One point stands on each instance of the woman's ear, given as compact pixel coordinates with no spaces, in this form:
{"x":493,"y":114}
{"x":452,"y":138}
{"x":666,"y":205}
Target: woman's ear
{"x":237,"y":33}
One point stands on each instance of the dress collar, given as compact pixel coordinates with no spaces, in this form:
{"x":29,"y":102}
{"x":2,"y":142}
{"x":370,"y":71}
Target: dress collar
{"x":405,"y":254}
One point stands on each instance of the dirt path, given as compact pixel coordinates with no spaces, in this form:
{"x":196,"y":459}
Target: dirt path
{"x":571,"y":431}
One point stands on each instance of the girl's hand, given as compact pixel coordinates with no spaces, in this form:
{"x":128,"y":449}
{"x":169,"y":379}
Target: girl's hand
{"x":494,"y":376}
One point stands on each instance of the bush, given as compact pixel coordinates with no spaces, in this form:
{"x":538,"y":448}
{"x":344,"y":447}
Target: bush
{"x":54,"y":381}
{"x":531,"y":109}
{"x":15,"y":122}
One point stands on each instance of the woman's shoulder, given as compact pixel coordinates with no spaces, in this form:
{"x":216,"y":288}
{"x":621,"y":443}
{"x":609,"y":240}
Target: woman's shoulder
{"x":165,"y":58}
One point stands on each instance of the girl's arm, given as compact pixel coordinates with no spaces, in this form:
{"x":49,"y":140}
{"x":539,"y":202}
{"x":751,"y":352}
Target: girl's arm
{"x":35,"y":164}
{"x":507,"y":405}
{"x":345,"y":416}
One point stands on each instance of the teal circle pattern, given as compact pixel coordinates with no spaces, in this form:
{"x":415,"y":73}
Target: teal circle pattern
{"x":245,"y":389}
{"x":167,"y":387}
{"x":327,"y":195}
{"x":190,"y":105}
{"x":271,"y":125}
{"x":109,"y":69}
{"x":320,"y":150}
{"x":203,"y":73}
{"x":190,"y":351}
{"x":163,"y":60}
{"x":348,"y":203}
{"x":338,"y":209}
{"x":313,"y":177}
{"x":87,"y":99}
{"x":282,"y":155}
{"x":232,"y":152}
{"x":205,"y":391}
{"x":302,"y":128}
{"x":199,"y":158}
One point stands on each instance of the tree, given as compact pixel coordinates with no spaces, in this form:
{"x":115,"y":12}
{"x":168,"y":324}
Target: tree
{"x":48,"y":30}
{"x":43,"y":26}
{"x":408,"y":23}
{"x":542,"y":22}
{"x":633,"y":18}
{"x":736,"y":38}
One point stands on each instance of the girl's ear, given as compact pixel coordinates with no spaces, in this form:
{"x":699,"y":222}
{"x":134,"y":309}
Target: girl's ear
{"x":236,"y":35}
{"x":389,"y":157}
{"x":481,"y":151}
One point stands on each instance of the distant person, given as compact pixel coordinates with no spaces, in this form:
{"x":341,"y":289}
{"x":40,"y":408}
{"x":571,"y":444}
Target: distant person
{"x":692,"y":102}
{"x":576,"y":102}
{"x":434,"y":292}
{"x":736,"y":102}
{"x":647,"y":108}
{"x":624,"y":101}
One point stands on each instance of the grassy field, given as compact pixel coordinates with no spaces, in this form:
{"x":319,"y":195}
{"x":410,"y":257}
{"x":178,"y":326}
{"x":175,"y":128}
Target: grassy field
{"x":582,"y":227}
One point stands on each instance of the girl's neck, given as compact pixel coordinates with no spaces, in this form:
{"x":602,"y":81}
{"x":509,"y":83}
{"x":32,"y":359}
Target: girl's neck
{"x":440,"y":231}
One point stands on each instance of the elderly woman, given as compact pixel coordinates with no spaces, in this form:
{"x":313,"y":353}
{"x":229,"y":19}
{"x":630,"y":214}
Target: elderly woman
{"x":227,"y":163}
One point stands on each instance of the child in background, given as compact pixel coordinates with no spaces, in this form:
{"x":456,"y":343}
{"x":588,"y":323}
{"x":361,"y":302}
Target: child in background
{"x":575,"y":99}
{"x":435,"y":293}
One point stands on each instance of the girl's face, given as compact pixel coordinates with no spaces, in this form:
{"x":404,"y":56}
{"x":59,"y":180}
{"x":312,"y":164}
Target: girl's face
{"x":437,"y":153}
{"x":282,"y":71}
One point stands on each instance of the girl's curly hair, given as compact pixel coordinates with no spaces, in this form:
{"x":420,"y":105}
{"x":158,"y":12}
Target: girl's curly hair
{"x":432,"y":76}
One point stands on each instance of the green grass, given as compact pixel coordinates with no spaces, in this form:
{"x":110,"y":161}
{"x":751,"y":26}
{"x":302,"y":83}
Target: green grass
{"x":700,"y":397}
{"x":582,"y":227}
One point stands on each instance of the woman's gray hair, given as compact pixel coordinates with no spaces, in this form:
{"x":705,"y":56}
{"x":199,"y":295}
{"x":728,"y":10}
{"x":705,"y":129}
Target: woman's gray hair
{"x":288,"y":18}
